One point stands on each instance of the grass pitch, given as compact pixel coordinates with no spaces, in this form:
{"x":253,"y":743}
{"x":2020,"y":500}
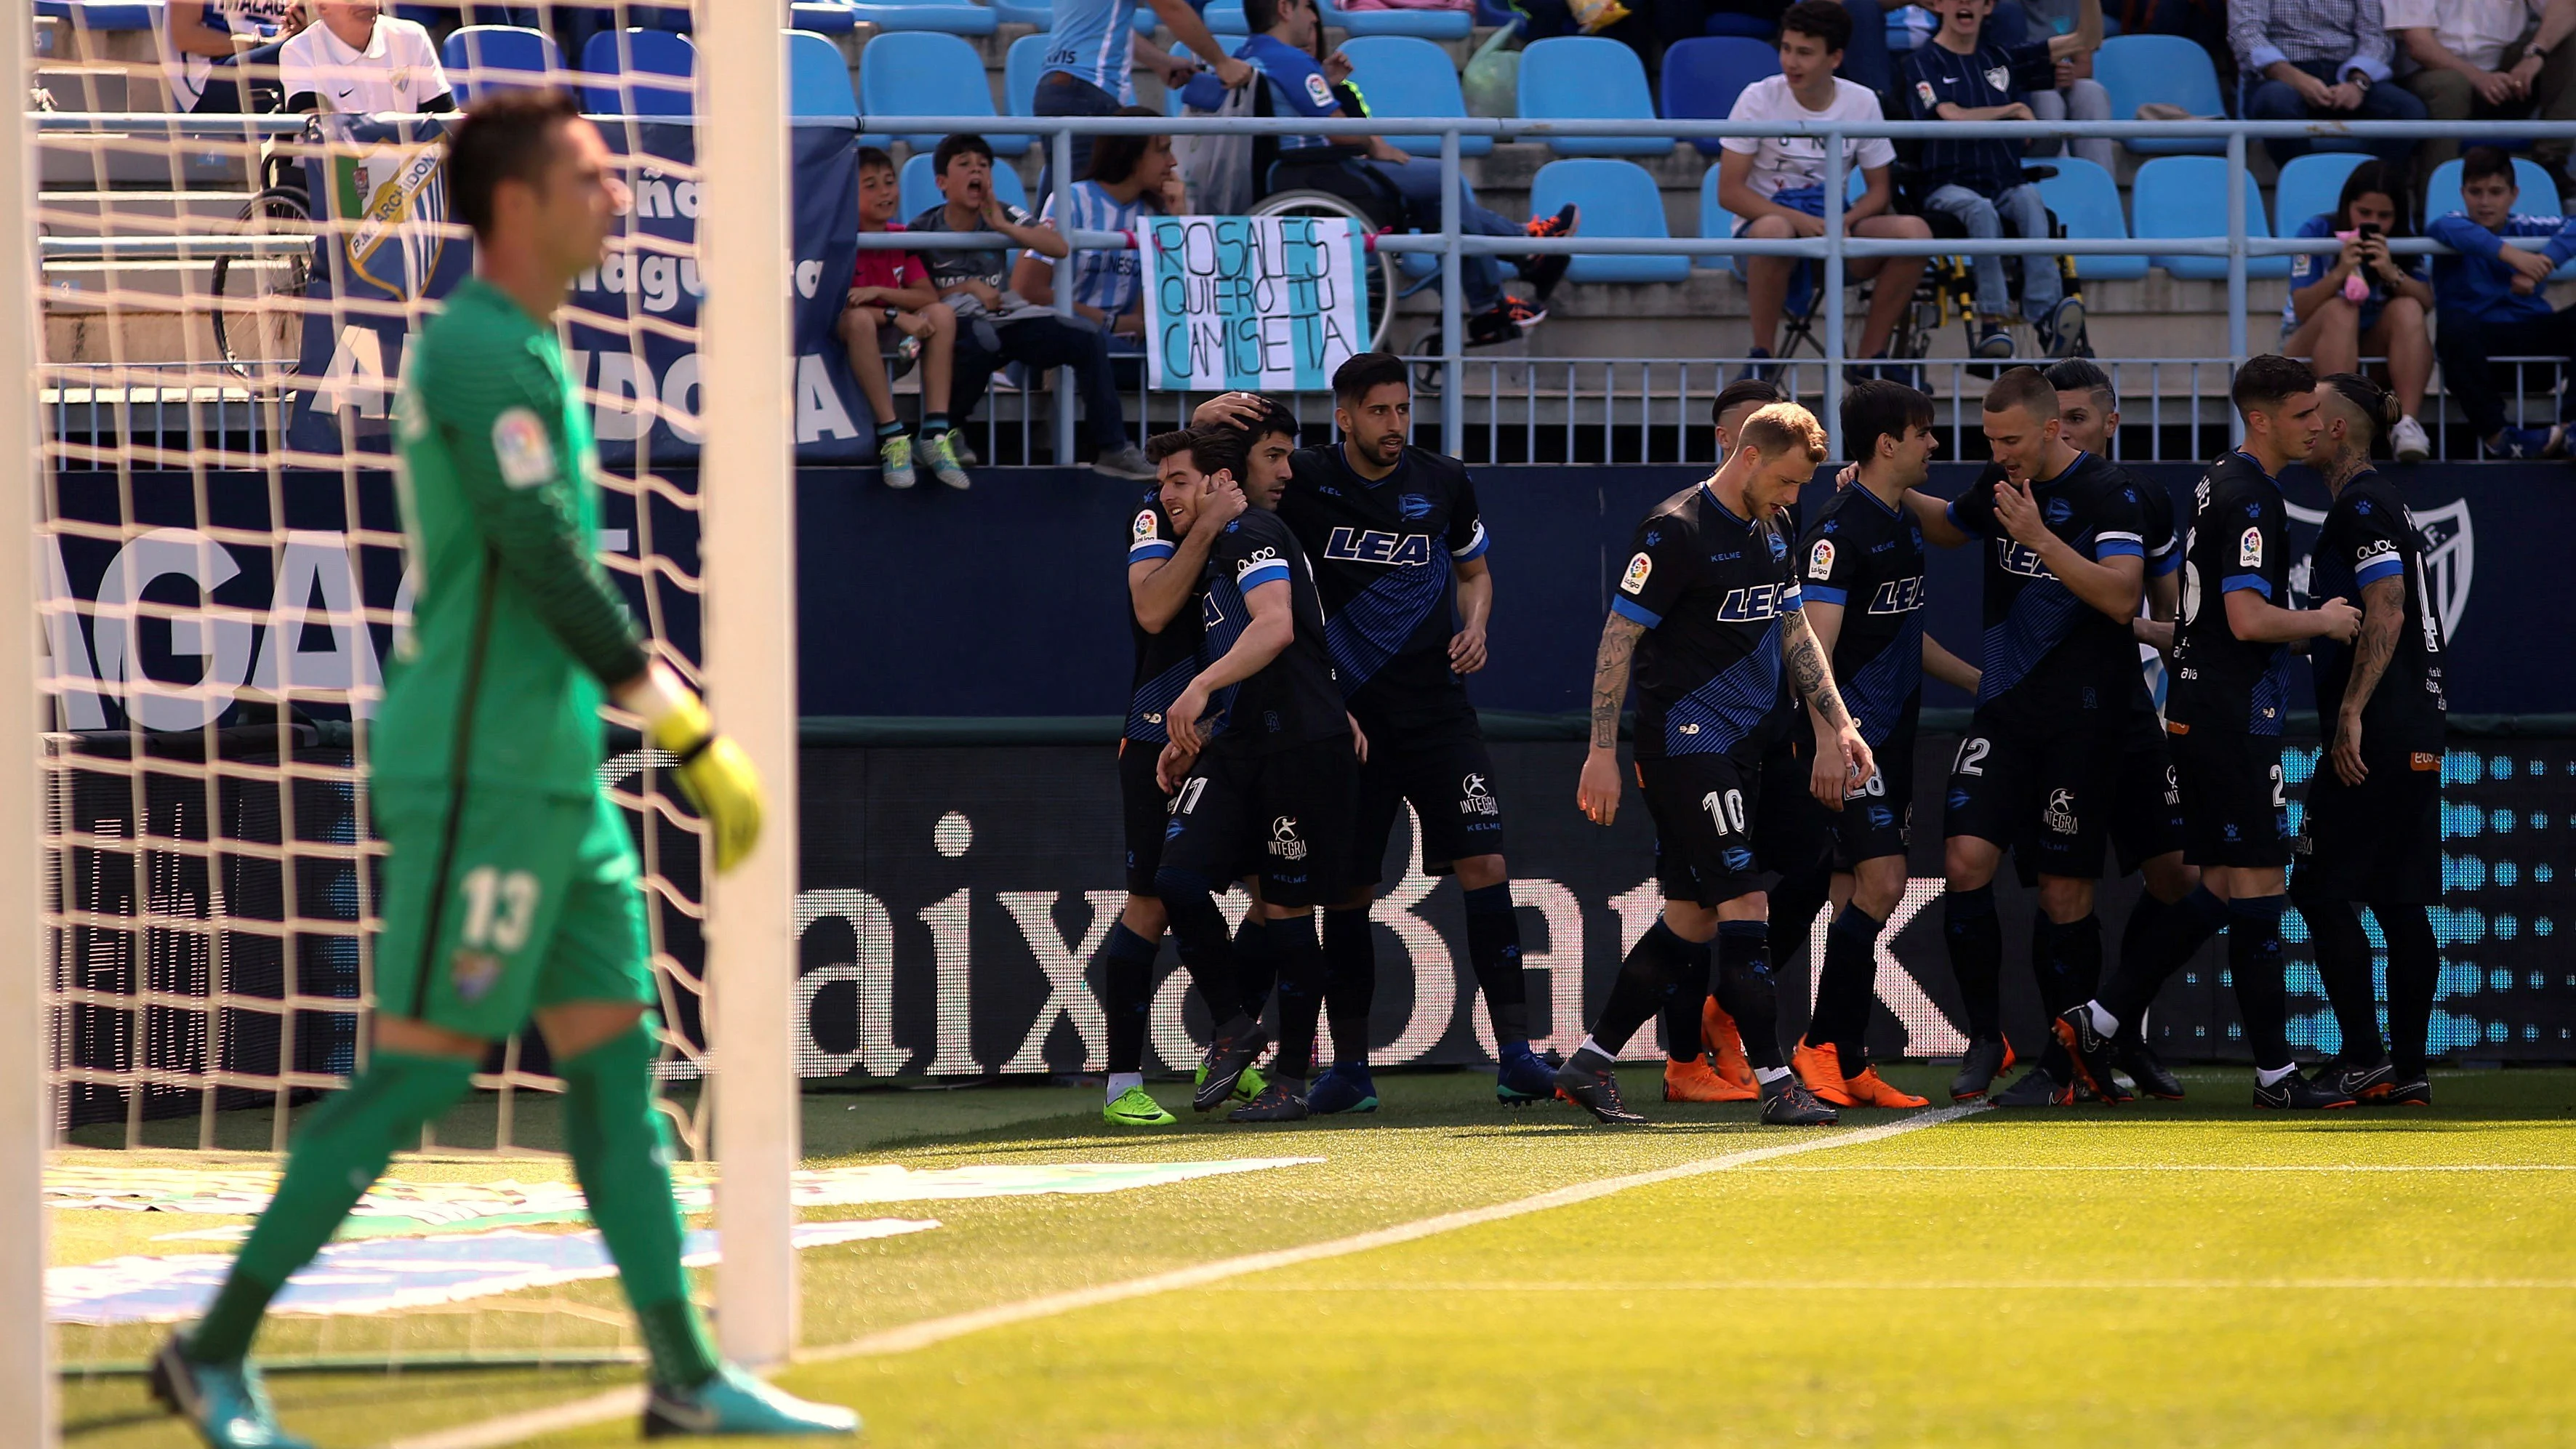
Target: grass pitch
{"x":2173,"y":1274}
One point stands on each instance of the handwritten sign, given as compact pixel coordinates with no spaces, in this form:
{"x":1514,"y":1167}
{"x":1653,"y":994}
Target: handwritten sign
{"x":1269,"y":303}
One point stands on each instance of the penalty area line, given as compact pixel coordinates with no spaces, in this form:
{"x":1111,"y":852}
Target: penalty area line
{"x":511,"y":1429}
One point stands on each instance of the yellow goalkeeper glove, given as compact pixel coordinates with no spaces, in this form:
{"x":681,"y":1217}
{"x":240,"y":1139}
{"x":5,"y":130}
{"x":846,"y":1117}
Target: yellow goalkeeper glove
{"x":715,"y":775}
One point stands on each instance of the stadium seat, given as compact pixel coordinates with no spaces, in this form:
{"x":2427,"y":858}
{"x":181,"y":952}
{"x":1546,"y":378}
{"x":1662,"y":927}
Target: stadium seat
{"x":2537,"y":196}
{"x":920,"y":187}
{"x":2137,"y":69}
{"x":481,"y":59}
{"x":102,"y":14}
{"x":1021,"y":67}
{"x":1619,"y":198}
{"x":2087,"y":203}
{"x":1716,"y":220}
{"x":818,"y":79}
{"x":947,"y":17}
{"x":1584,"y":77}
{"x":823,"y":17}
{"x":921,"y":73}
{"x":1402,"y":75}
{"x":1424,"y":24}
{"x":2185,"y":196}
{"x":1226,"y":15}
{"x":642,"y":73}
{"x":2309,"y":185}
{"x":1703,"y":76}
{"x":1041,"y":13}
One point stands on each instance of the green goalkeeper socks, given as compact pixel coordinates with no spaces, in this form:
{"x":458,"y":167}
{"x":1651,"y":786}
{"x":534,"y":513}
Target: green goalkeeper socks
{"x":338,"y":1155}
{"x":620,"y":1151}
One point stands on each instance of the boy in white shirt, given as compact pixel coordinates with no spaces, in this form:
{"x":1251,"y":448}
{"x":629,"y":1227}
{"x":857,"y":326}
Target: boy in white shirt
{"x":353,"y":61}
{"x":1775,"y":184}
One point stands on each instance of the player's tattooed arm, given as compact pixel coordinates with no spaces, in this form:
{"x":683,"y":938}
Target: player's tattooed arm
{"x":2383,"y":617}
{"x":1596,"y":794}
{"x":1811,"y":670}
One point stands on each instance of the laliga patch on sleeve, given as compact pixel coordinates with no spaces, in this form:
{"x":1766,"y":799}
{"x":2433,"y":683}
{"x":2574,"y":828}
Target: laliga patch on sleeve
{"x":520,"y":446}
{"x":1923,"y":93}
{"x":1144,"y":525}
{"x":1638,"y":568}
{"x":2249,"y":549}
{"x":1316,"y":91}
{"x":1820,"y":559}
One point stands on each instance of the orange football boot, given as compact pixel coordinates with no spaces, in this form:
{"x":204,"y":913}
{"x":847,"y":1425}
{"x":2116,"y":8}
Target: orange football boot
{"x":1725,"y":1045}
{"x":1821,"y":1068}
{"x":1693,"y":1081}
{"x":1869,"y":1089}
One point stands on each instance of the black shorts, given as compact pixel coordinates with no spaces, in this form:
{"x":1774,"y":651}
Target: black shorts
{"x":1878,"y":818}
{"x":2041,"y":786}
{"x":1792,"y":831}
{"x":1284,"y":816}
{"x":2146,"y":804}
{"x":1448,"y":777}
{"x":2234,"y":812}
{"x":1703,"y":807}
{"x":2380,"y":840}
{"x":1145,"y":811}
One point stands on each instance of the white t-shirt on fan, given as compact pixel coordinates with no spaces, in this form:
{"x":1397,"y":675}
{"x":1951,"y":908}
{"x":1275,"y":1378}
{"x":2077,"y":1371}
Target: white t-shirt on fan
{"x":1787,"y":162}
{"x":396,"y":72}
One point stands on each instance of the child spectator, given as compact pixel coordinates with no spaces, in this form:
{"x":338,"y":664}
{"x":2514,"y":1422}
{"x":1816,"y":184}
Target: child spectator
{"x":2489,"y":303}
{"x":1131,"y":177}
{"x":891,"y":296}
{"x":1963,"y":76}
{"x":2365,"y":300}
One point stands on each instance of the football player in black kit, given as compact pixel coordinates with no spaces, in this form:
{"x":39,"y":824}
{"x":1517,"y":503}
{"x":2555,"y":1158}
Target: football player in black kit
{"x":2229,"y":698}
{"x":1708,"y":608}
{"x":2374,"y":826}
{"x":1270,"y":792}
{"x":1399,"y":553}
{"x":2065,"y":568}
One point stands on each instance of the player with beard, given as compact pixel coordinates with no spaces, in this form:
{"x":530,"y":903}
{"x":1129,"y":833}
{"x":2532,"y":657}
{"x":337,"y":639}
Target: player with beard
{"x":2374,"y":828}
{"x":2064,"y":572}
{"x":1399,"y":551}
{"x":2229,"y":699}
{"x":1708,"y":610}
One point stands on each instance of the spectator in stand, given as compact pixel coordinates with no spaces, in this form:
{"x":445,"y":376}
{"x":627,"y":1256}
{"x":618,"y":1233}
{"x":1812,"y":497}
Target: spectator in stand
{"x":1091,"y":56}
{"x":891,"y":297}
{"x":2364,"y":300}
{"x":212,"y":49}
{"x":2323,"y":60}
{"x":1652,"y":27}
{"x":2490,"y":304}
{"x":1131,"y":178}
{"x":2488,"y":60}
{"x":354,"y":61}
{"x":2074,"y":94}
{"x":1378,"y":176}
{"x":1775,"y":185}
{"x":995,"y":326}
{"x":1962,"y":76}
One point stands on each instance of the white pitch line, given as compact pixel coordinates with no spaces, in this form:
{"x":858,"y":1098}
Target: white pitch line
{"x":1947,"y":1285}
{"x":1910,"y":1168}
{"x":493,"y":1433}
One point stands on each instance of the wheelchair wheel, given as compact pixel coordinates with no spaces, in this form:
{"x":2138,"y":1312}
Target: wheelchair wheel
{"x":259,"y":300}
{"x":1382,"y":279}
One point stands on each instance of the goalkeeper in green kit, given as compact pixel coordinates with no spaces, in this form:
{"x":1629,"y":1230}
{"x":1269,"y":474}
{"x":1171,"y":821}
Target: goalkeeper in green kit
{"x":510,"y":886}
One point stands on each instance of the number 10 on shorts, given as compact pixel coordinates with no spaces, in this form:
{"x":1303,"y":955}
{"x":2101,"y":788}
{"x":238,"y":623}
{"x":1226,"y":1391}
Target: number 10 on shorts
{"x":1727,"y":809}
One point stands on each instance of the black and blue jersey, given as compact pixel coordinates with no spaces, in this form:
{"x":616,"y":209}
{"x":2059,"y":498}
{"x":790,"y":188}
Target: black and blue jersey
{"x":1714,"y":591}
{"x":2238,"y":540}
{"x":1867,"y":557}
{"x":2369,"y":536}
{"x":2045,"y":648}
{"x":1992,"y":75}
{"x":1168,"y":661}
{"x":1385,"y":553}
{"x":1295,"y":699}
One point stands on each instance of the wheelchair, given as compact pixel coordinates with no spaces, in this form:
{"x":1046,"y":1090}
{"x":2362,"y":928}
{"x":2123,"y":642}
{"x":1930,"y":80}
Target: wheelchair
{"x":258,"y":311}
{"x":1952,"y":279}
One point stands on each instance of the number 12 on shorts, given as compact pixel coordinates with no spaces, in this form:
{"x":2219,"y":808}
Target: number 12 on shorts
{"x":499,"y":908}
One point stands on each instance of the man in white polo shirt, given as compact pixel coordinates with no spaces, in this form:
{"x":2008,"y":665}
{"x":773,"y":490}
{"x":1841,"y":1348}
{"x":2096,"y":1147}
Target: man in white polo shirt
{"x":2487,"y":60}
{"x":352,"y":60}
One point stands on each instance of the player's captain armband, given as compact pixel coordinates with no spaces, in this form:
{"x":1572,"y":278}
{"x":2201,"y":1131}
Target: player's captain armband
{"x":1635,"y":579}
{"x":1820,"y":559}
{"x":520,"y":446}
{"x":2249,"y":549}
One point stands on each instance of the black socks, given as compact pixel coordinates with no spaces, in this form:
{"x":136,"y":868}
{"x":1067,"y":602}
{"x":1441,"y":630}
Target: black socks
{"x":1746,"y":989}
{"x":1976,"y":941}
{"x":1494,"y":950}
{"x":1126,"y":995}
{"x":1350,"y":982}
{"x":1846,"y":987}
{"x":1645,"y":979}
{"x":2262,"y":991}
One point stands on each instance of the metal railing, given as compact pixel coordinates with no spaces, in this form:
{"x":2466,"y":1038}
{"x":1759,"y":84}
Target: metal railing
{"x":1835,"y":249}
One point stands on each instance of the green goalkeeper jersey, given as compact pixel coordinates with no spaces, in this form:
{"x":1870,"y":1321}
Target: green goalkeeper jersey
{"x":515,"y":628}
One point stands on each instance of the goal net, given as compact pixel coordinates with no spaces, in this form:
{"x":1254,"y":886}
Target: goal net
{"x":224,"y":309}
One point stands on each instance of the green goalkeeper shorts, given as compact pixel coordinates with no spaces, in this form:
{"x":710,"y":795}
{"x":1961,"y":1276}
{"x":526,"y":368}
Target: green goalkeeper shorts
{"x":497,"y":902}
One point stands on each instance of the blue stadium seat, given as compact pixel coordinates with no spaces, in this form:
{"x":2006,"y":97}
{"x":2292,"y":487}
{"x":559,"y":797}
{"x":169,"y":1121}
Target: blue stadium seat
{"x":1716,"y":220}
{"x":1703,"y":76}
{"x":823,"y":17}
{"x":924,"y":73}
{"x":2536,"y":195}
{"x":102,"y":14}
{"x":1021,"y":67}
{"x":947,"y":17}
{"x":1619,"y":198}
{"x":1402,"y":75}
{"x":2137,"y":69}
{"x":1224,"y":15}
{"x":1041,"y":13}
{"x":481,"y":59}
{"x":2186,"y":196}
{"x":1425,"y":24}
{"x":818,"y":79}
{"x":2087,"y":203}
{"x":641,"y":73}
{"x":1584,"y":77}
{"x":921,"y":187}
{"x":2309,"y":185}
